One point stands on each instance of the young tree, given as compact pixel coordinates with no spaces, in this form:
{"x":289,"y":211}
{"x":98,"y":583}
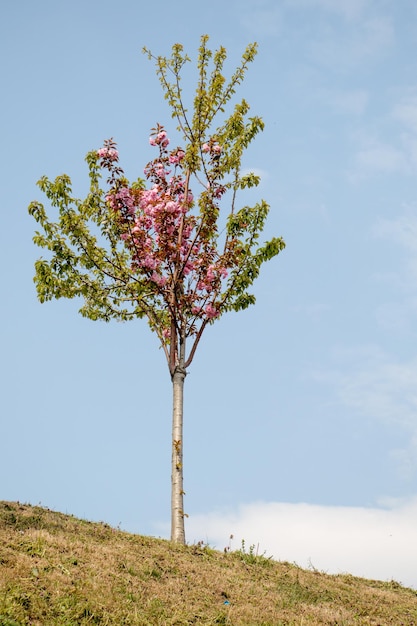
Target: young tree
{"x":165,"y":248}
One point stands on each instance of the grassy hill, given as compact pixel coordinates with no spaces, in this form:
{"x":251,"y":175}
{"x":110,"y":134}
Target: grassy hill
{"x":59,"y":570}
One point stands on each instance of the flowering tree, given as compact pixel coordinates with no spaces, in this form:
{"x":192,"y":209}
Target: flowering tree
{"x":174,"y":248}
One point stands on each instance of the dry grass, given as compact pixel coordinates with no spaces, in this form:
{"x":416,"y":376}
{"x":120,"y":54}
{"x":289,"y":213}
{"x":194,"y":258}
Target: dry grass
{"x":58,"y":570}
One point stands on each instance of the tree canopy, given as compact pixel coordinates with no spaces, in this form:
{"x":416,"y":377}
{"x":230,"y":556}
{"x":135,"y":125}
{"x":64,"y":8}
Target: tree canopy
{"x":153,"y":247}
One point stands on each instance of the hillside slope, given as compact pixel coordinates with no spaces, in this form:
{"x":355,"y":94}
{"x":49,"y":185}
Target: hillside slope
{"x":59,"y":570}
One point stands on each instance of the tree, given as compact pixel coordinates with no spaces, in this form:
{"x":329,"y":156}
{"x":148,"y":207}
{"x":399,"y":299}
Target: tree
{"x":152,"y":248}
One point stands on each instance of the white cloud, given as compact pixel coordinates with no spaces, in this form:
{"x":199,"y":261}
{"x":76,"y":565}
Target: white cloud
{"x":398,"y":154}
{"x":362,"y":36}
{"x":383,"y":388}
{"x":406,"y":113}
{"x":381,"y":157}
{"x":402,"y":231}
{"x":406,"y":458}
{"x":377,"y":157}
{"x":313,"y":310}
{"x":376,"y":543}
{"x":372,"y":383}
{"x":397,"y":314}
{"x":375,"y":384}
{"x":360,"y":44}
{"x":379,"y":34}
{"x":395,"y":317}
{"x":351,"y":102}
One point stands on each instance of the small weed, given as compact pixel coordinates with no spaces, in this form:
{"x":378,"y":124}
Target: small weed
{"x":202,"y":549}
{"x":251,"y":557}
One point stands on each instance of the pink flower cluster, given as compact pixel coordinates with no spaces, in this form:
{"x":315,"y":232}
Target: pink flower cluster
{"x":159,"y":139}
{"x":163,"y":236}
{"x":122,"y":200}
{"x":176,"y":157}
{"x":212,"y":148}
{"x":209,"y":311}
{"x":108,"y":153}
{"x":211,"y":277}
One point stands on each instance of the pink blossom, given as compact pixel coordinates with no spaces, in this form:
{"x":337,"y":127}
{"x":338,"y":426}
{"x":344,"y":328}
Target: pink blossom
{"x":188,"y":267}
{"x":148,"y":196}
{"x":160,"y":170}
{"x":158,"y":279}
{"x":125,"y":200}
{"x":150,"y":262}
{"x":176,"y":157}
{"x":210,"y":274}
{"x":218,"y":191}
{"x":172,"y":207}
{"x":160,"y":232}
{"x":211,"y":311}
{"x":161,"y":139}
{"x":188,"y":229}
{"x":108,"y":153}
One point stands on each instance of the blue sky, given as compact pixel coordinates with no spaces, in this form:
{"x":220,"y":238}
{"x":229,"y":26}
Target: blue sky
{"x":301,"y":412}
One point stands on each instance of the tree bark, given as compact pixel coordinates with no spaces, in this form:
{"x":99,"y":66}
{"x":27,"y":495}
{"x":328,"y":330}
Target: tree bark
{"x":177,"y":491}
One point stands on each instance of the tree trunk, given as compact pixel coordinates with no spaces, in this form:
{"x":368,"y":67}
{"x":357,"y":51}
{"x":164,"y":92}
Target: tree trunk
{"x":177,"y":492}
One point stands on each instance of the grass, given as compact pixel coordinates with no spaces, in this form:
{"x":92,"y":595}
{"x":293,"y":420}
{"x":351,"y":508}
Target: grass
{"x":59,"y":570}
